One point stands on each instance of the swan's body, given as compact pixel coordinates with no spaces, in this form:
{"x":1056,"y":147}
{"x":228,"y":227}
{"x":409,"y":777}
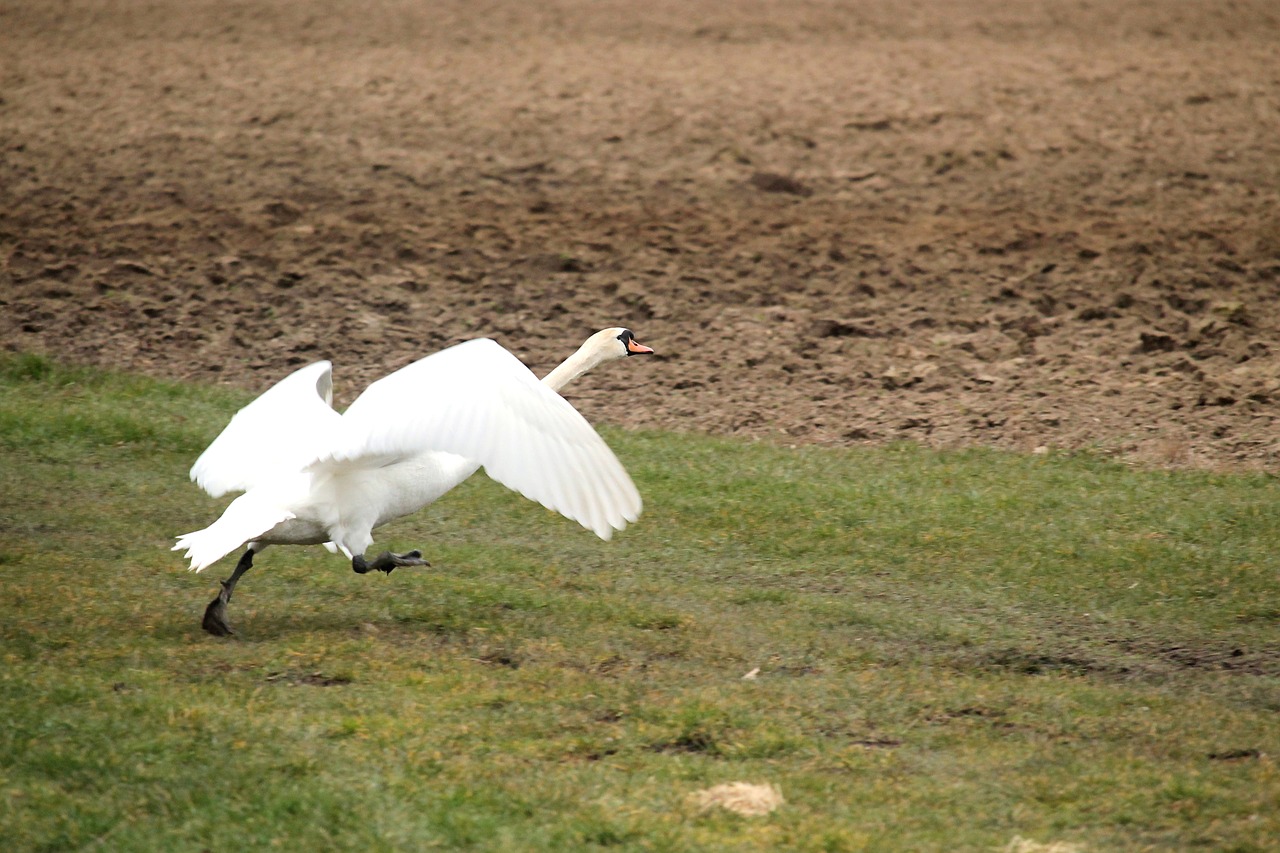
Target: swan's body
{"x":311,"y":476}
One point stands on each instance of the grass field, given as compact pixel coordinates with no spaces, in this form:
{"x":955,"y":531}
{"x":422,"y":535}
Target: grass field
{"x":955,"y":651}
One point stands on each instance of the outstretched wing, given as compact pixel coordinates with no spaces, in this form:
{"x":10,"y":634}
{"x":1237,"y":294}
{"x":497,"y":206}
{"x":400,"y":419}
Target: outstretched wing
{"x":278,"y":433}
{"x":478,"y":401}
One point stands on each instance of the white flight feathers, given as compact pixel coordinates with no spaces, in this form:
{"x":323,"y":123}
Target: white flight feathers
{"x":478,"y":401}
{"x":279,"y":433}
{"x":409,"y":438}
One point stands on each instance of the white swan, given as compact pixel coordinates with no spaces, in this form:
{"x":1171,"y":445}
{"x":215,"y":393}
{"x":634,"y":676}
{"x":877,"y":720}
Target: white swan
{"x":311,"y":476}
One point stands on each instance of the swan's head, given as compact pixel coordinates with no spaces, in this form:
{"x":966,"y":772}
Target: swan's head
{"x":604,"y":346}
{"x":625,"y":337}
{"x":612,"y":344}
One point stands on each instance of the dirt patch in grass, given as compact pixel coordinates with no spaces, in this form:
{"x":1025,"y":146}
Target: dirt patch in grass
{"x":1229,"y":659}
{"x":1133,"y":659}
{"x":698,"y":742}
{"x":967,"y":223}
{"x":307,"y":679}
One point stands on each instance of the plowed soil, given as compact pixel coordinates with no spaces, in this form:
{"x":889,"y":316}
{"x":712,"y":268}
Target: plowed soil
{"x":959,"y":222}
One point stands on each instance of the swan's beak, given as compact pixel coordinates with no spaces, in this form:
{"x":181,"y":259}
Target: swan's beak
{"x":634,"y":347}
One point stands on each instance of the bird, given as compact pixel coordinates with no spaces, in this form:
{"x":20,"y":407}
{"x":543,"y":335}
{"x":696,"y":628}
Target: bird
{"x":312,"y":476}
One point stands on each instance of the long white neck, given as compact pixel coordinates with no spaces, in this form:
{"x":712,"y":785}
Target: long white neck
{"x":588,"y":356}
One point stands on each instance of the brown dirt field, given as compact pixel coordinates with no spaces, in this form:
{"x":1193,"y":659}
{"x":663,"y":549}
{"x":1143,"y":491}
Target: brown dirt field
{"x":958,"y":222}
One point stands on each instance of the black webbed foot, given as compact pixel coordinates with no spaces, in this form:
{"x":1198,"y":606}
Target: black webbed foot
{"x":215,"y":615}
{"x":387,"y":562}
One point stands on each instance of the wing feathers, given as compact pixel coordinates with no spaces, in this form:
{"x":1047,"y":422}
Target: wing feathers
{"x":276,"y":434}
{"x":478,"y":401}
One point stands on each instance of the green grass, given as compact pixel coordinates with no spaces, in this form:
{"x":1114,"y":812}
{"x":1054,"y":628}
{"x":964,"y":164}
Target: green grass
{"x":955,"y":649}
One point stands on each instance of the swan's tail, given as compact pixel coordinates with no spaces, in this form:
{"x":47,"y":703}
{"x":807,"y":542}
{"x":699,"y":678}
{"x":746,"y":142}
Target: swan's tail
{"x":245,"y":519}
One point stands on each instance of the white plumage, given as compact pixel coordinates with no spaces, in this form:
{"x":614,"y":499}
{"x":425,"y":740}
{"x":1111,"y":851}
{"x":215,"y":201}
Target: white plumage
{"x":312,"y":476}
{"x":276,"y":434}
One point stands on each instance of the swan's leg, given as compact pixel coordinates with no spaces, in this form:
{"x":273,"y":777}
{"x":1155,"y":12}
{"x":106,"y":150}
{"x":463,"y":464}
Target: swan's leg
{"x":386,"y":562}
{"x":215,"y":615}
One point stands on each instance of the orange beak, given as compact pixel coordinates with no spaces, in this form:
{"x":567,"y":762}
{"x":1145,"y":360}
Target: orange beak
{"x":634,"y":347}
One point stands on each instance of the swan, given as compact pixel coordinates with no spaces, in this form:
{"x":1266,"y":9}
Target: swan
{"x":311,"y":476}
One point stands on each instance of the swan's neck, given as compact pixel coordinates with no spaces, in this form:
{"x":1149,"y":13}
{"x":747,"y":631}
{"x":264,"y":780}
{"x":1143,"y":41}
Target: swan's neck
{"x":572,"y":367}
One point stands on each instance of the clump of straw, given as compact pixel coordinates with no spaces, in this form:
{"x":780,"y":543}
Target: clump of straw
{"x":741,"y":798}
